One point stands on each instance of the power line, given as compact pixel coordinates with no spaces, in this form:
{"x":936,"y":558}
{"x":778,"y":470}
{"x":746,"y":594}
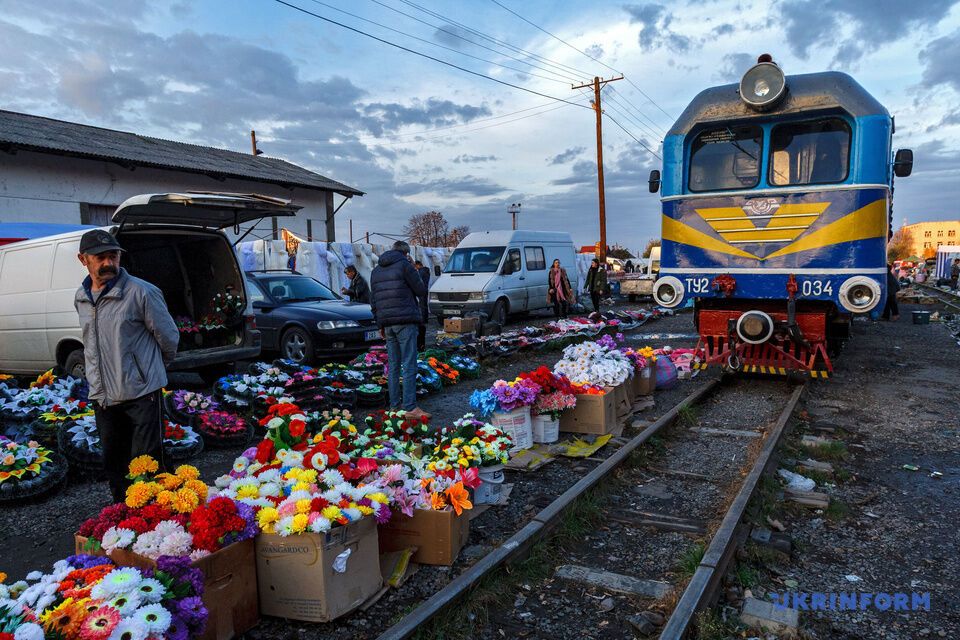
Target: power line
{"x":640,"y":124}
{"x":425,"y":55}
{"x":478,"y":44}
{"x":502,"y":43}
{"x":434,"y":44}
{"x":652,"y":125}
{"x":653,"y":153}
{"x":536,"y":26}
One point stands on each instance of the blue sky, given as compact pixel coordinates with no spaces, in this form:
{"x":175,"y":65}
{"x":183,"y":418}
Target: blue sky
{"x":417,"y":135}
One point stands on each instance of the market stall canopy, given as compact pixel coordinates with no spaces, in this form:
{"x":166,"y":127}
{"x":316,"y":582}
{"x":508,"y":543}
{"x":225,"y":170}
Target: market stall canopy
{"x":914,"y":259}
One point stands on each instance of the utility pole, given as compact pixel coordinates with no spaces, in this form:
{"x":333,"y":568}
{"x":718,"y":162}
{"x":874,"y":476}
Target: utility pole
{"x":351,"y":230}
{"x":597,"y":84}
{"x":253,"y":143}
{"x":513,"y":210}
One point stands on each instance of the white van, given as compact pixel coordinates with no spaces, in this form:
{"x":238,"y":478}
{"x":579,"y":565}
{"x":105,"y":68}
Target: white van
{"x":501,"y":272}
{"x":173,"y":240}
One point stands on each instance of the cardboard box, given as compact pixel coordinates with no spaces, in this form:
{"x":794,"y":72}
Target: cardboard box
{"x":594,"y":414}
{"x":318,"y":577}
{"x":460,"y":325}
{"x":623,"y":396}
{"x":230,"y":585}
{"x":438,"y":535}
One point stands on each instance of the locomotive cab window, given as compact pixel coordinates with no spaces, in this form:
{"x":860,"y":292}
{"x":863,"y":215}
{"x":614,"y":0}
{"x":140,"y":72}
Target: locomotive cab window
{"x":726,"y":158}
{"x":816,"y":152}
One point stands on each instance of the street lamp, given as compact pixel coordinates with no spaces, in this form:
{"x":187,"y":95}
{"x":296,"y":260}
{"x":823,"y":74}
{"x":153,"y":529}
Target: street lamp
{"x":513,"y":210}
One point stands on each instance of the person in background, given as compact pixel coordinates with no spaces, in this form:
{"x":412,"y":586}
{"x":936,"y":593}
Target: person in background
{"x":358,"y":291}
{"x":596,"y":283}
{"x":424,"y":274}
{"x":955,"y":273}
{"x":129,"y":339}
{"x":559,"y":291}
{"x":395,"y":293}
{"x":891,"y":311}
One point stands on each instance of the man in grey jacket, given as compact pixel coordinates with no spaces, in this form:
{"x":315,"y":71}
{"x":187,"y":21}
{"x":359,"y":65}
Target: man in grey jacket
{"x":128,"y":339}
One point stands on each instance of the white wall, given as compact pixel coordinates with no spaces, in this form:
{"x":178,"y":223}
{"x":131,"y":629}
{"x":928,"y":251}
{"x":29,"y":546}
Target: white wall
{"x":39,"y":187}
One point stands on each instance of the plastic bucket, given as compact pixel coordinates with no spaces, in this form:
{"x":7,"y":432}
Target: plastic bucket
{"x":545,"y":429}
{"x":518,"y":425}
{"x":921,"y":317}
{"x":491,"y":482}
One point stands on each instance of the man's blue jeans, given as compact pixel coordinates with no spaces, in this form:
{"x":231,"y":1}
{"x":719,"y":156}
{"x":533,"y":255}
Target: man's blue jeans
{"x":402,"y":352}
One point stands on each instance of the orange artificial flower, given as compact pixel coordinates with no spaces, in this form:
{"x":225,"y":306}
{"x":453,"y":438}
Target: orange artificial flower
{"x":459,"y":498}
{"x":437,"y":501}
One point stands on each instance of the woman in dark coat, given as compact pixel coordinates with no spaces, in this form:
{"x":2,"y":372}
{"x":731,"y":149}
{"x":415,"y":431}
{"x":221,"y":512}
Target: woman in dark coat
{"x":596,"y":283}
{"x":559,"y":291}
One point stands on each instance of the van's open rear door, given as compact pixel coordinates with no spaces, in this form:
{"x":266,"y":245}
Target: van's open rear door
{"x":202,"y":209}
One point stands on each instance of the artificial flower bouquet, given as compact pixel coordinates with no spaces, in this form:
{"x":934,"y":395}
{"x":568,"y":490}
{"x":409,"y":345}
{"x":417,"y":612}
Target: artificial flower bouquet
{"x":412,"y":487}
{"x":90,"y":598}
{"x":472,"y":443}
{"x":181,"y":491}
{"x":186,"y":406}
{"x":468,"y":367}
{"x":594,"y":363}
{"x":180,"y":442}
{"x":505,"y":396}
{"x":448,"y":374}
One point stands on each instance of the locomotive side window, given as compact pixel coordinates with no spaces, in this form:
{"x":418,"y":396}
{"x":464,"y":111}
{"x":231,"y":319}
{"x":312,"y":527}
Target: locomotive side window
{"x":726,"y":158}
{"x":816,"y":152}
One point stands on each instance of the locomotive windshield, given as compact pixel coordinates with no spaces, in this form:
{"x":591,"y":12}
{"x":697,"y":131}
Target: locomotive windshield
{"x":726,"y":158}
{"x":816,"y":152}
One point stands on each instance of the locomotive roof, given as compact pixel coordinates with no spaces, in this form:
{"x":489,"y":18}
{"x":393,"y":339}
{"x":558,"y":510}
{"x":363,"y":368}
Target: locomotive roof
{"x":805,"y":92}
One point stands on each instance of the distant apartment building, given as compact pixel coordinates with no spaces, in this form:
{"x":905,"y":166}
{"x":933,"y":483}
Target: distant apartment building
{"x":927,"y":236}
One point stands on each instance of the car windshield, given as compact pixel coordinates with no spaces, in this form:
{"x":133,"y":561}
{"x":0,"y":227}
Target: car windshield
{"x":297,"y":289}
{"x":474,"y":260}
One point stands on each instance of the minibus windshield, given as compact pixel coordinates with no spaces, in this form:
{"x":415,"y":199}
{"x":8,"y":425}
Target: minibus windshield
{"x":474,"y":260}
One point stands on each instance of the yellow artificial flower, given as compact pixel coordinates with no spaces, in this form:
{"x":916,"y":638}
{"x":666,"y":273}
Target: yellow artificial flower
{"x":185,"y":501}
{"x":248,"y":491}
{"x":365,"y":510}
{"x":3,"y":577}
{"x":198,"y":487}
{"x":463,"y":462}
{"x":142,"y":465}
{"x":379,"y":497}
{"x":303,"y":505}
{"x":138,"y":494}
{"x":267,"y":518}
{"x":331,"y":512}
{"x":169,"y":481}
{"x":301,"y":486}
{"x":309,"y":476}
{"x":300,"y":522}
{"x":187,"y":472}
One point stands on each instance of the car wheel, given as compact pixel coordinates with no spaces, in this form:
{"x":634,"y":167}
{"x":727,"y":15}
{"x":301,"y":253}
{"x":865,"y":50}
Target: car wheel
{"x":296,"y":345}
{"x":499,"y":313}
{"x":74,"y":364}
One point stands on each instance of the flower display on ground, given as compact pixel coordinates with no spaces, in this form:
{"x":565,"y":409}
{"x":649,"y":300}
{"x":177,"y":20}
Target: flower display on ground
{"x":21,"y":461}
{"x":594,"y":363}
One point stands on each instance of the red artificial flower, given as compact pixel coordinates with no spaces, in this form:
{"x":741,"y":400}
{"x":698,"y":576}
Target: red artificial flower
{"x":319,"y":504}
{"x":265,"y":451}
{"x":366,"y":466}
{"x":471,"y":478}
{"x":297,"y":427}
{"x":136,"y":524}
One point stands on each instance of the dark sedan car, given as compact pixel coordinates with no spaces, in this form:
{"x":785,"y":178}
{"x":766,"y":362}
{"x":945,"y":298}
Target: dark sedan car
{"x":307,"y":322}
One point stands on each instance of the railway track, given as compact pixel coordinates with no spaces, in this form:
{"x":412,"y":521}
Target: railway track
{"x":665,"y":530}
{"x":948,"y":298}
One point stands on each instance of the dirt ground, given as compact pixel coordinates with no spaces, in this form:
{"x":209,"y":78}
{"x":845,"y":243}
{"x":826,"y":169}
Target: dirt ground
{"x":894,"y":401}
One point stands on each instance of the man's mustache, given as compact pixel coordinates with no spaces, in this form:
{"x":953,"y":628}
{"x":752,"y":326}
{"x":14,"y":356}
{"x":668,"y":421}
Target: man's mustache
{"x":107,"y":270}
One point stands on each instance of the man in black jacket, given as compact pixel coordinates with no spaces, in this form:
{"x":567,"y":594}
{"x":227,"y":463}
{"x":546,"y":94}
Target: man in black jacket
{"x":358,"y":291}
{"x":422,"y":331}
{"x":396,"y":291}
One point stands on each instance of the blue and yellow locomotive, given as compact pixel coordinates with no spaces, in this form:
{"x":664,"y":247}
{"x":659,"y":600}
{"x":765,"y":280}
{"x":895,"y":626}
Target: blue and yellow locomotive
{"x":776,"y":202}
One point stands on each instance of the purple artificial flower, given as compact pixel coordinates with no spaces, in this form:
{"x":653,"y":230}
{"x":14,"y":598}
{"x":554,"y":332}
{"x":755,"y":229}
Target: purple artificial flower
{"x":178,"y":629}
{"x":84,"y":561}
{"x":180,"y":569}
{"x":383,"y":514}
{"x":405,"y":501}
{"x":192,"y":611}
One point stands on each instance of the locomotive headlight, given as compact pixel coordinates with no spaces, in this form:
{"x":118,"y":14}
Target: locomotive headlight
{"x":764,"y":85}
{"x":668,"y":292}
{"x":755,"y":327}
{"x":859,"y":294}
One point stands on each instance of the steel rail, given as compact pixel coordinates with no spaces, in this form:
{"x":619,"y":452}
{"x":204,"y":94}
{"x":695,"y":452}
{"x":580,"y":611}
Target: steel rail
{"x":535,"y":530}
{"x":940,"y":292}
{"x":703,"y":586}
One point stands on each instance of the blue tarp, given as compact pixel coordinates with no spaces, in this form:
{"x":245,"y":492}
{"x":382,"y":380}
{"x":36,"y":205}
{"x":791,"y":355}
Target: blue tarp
{"x":16,"y":231}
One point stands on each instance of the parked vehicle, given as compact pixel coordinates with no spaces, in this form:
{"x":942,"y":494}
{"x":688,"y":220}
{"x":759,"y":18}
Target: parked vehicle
{"x":305,"y":321}
{"x":501,"y":273}
{"x":640,"y":282}
{"x":172,"y":240}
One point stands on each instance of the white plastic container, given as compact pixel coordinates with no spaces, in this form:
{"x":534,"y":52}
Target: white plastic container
{"x":545,"y":429}
{"x":518,"y":425}
{"x":491,"y":483}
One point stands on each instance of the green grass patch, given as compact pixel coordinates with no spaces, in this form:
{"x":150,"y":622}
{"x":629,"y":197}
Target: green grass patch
{"x":710,"y":626}
{"x":690,"y":560}
{"x":837,"y":510}
{"x":688,"y":416}
{"x":745,"y":575}
{"x":830,"y":452}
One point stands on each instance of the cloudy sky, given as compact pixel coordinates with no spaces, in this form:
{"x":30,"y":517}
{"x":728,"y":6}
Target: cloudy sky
{"x":418,"y":135}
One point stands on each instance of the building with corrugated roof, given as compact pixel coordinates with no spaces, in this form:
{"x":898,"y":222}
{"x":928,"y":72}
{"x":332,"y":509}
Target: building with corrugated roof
{"x":68,"y":173}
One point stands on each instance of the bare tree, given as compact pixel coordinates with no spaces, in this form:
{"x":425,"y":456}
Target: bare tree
{"x":431,"y":229}
{"x":900,"y":245}
{"x":651,"y":243}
